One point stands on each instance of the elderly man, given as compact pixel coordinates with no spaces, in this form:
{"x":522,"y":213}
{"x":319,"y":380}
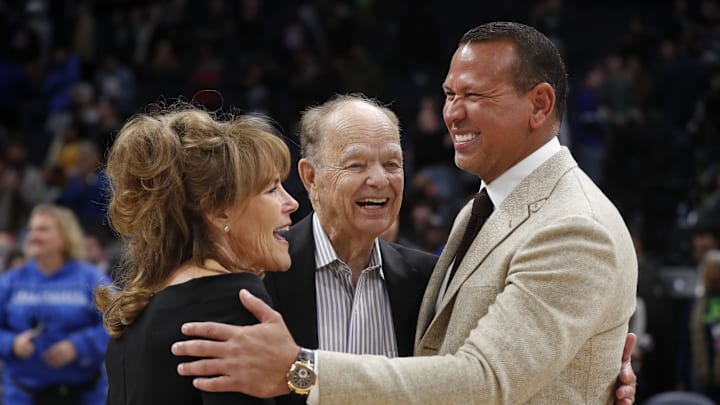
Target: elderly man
{"x":348,"y":290}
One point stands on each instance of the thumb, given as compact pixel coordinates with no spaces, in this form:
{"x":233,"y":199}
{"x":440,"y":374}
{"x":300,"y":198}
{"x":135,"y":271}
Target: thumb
{"x":629,"y":346}
{"x":257,"y":307}
{"x":31,"y":333}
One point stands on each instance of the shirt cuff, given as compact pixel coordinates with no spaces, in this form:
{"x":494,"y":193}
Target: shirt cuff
{"x":314,"y":396}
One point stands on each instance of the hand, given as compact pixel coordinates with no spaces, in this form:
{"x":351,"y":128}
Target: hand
{"x":625,"y":393}
{"x":250,"y":359}
{"x":60,"y":354}
{"x":23,"y":345}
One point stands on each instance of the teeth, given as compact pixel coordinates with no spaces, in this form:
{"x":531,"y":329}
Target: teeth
{"x":282,"y":231}
{"x":465,"y":137}
{"x":373,"y":201}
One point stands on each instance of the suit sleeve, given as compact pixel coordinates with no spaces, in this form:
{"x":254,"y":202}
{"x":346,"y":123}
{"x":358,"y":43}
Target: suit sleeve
{"x":561,"y":284}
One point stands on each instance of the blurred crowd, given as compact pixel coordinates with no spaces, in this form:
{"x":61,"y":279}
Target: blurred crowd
{"x":643,"y":117}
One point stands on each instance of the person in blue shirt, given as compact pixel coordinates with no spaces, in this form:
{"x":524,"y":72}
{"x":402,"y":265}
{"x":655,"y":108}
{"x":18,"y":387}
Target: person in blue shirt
{"x":52,"y":339}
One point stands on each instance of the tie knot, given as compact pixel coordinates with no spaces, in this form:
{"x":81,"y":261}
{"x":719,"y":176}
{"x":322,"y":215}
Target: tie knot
{"x":482,"y":205}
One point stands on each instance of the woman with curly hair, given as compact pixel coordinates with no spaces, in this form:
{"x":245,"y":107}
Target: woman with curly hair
{"x":199,"y":203}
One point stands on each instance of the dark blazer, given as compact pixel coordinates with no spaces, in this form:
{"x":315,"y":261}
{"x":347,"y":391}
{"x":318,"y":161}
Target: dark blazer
{"x":406,"y":270}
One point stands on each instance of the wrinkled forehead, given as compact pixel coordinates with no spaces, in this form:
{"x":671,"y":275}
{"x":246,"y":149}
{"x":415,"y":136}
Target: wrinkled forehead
{"x":359,"y":127}
{"x":383,"y":150}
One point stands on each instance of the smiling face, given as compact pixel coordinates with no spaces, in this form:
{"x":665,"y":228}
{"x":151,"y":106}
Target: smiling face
{"x":488,"y":118}
{"x":254,"y":234}
{"x":357,"y":184}
{"x":44,"y":240}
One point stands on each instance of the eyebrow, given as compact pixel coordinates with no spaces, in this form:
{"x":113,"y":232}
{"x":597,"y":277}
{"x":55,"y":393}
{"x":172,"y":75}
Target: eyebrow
{"x":356,"y":150}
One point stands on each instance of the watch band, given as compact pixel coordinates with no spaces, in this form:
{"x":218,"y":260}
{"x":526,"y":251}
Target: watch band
{"x":306,"y":355}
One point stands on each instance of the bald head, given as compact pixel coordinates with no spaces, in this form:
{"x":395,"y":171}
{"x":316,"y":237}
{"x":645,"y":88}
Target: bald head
{"x":338,"y":115}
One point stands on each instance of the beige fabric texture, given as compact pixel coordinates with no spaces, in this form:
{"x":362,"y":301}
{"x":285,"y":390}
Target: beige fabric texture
{"x":537,"y":312}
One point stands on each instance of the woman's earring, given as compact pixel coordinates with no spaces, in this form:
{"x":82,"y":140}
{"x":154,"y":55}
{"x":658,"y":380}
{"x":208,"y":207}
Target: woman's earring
{"x":226,"y":228}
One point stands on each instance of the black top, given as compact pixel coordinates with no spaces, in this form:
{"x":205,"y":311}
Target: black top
{"x":140,"y":367}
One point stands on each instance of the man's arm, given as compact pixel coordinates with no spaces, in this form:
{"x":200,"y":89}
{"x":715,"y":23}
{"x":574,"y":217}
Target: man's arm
{"x":254,"y":359}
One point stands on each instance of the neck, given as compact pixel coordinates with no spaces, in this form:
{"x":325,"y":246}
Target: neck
{"x":49,"y":265}
{"x":213,"y":266}
{"x":353,"y":252}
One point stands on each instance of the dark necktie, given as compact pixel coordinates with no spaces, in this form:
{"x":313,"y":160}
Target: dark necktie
{"x":481,"y":209}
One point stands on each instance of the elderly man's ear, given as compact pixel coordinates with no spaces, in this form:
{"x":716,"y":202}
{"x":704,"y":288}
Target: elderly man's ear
{"x":306,"y":170}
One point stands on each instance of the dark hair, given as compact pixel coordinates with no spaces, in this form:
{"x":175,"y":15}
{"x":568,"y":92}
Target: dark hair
{"x":537,"y":59}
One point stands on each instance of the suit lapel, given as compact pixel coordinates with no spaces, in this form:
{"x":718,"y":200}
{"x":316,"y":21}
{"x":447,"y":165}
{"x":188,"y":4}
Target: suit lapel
{"x":499,"y":225}
{"x":527,"y":198}
{"x":427,"y":307}
{"x":296,"y":298}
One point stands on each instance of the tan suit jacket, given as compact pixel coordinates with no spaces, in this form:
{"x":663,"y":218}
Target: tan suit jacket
{"x":536,"y":313}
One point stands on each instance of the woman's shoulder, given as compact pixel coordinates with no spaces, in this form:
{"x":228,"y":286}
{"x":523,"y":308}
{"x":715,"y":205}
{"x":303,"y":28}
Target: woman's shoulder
{"x":217,"y":297}
{"x":218,"y":286}
{"x":231,"y":280}
{"x":17,"y":273}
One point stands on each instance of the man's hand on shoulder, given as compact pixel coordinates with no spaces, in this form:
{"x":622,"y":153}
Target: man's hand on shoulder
{"x":250,"y":359}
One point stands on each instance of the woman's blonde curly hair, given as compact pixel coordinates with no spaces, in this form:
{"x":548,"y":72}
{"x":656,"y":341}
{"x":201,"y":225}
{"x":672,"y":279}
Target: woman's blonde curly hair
{"x":167,"y":171}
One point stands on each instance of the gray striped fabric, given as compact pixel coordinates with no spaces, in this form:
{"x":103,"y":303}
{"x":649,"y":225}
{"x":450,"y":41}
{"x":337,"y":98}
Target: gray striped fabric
{"x":351,"y":319}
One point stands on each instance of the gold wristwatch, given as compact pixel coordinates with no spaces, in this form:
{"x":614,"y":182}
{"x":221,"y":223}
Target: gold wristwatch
{"x":301,"y":375}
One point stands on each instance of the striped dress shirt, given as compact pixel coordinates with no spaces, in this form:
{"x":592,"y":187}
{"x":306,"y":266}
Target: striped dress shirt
{"x":351,"y":319}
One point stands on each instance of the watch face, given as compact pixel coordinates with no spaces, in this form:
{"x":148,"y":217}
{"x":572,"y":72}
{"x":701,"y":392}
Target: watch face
{"x":302,"y":377}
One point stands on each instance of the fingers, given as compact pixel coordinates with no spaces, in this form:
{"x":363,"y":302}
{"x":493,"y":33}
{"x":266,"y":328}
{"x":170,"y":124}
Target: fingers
{"x":23,"y":346}
{"x":32,"y":333}
{"x":215,"y":384}
{"x":198,"y":348}
{"x":627,"y":374}
{"x":23,"y":349}
{"x":202,"y":367}
{"x":209,"y":330}
{"x":257,"y":307}
{"x":629,"y":346}
{"x":60,"y":354}
{"x":625,"y":391}
{"x":52,"y":358}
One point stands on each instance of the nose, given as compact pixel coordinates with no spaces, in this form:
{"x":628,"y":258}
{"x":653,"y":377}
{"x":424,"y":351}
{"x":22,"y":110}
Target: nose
{"x":453,"y":111}
{"x":290,"y":204}
{"x":377,"y":176}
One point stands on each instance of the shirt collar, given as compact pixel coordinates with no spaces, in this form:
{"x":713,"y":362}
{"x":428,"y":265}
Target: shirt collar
{"x":325,"y":253}
{"x":501,"y":187}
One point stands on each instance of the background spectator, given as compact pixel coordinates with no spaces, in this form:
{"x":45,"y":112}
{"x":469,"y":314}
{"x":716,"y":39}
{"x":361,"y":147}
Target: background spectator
{"x":52,"y":339}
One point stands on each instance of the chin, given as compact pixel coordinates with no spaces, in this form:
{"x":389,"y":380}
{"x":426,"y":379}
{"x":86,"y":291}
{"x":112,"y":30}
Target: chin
{"x":281,"y":263}
{"x":375,"y":231}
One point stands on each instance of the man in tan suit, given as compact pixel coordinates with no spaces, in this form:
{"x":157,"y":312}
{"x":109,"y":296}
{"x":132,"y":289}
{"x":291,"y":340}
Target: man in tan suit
{"x":535,"y":312}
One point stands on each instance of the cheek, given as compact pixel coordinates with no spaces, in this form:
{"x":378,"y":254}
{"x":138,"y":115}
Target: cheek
{"x":252,"y":248}
{"x":397,"y":183}
{"x":339,"y":193}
